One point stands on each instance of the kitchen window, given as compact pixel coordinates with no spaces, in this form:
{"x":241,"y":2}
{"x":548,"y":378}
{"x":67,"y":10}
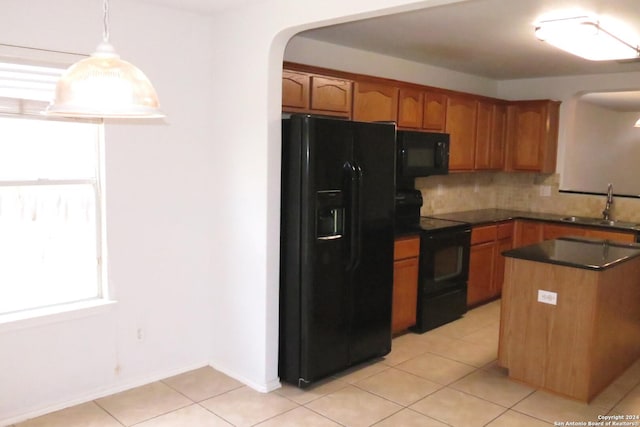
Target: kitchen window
{"x":50,"y":198}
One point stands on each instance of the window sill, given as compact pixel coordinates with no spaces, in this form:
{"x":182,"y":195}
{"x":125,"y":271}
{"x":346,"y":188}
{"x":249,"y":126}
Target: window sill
{"x":59,"y":313}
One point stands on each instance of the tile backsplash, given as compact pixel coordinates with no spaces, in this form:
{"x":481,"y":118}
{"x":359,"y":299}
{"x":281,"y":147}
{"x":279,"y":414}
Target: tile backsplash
{"x":529,"y":192}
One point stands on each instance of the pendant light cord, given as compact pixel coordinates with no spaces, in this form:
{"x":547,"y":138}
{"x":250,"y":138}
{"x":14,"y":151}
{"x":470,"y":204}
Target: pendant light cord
{"x":105,"y":34}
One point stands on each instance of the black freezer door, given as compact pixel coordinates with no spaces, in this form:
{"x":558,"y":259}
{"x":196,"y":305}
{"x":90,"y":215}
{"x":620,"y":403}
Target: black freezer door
{"x":336,"y":247}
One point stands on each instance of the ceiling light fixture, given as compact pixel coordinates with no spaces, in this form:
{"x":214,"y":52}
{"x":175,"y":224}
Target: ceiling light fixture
{"x":637,"y":125}
{"x":583,"y":36}
{"x":104,"y":86}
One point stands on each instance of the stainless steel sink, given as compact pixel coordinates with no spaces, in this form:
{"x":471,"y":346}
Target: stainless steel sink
{"x":598,"y":221}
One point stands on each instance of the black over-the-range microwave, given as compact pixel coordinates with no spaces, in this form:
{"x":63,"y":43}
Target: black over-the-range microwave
{"x":422,"y":153}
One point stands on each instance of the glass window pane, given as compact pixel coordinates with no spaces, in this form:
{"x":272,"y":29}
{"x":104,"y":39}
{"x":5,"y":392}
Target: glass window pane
{"x":48,"y":245}
{"x":47,"y":149}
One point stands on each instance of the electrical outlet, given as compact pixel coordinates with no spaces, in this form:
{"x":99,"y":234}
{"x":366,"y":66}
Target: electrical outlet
{"x":547,"y":297}
{"x":545,"y":190}
{"x":439,"y":190}
{"x":476,"y":188}
{"x":140,"y":334}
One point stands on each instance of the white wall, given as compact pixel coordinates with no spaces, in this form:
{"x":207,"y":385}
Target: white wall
{"x":604,"y":148}
{"x":160,"y":211}
{"x":192,"y":205}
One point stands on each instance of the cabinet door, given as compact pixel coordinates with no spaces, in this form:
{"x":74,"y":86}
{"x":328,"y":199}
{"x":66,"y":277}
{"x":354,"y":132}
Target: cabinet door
{"x":483,"y":135}
{"x":533,"y":135}
{"x":498,"y":269}
{"x":410,"y":108}
{"x":435,"y":109}
{"x":527,"y":233}
{"x":461,"y":125}
{"x":295,"y":91}
{"x":405,"y":294}
{"x":618,"y":236}
{"x":331,"y":95}
{"x":479,"y":286}
{"x":498,"y":136}
{"x":373,"y":102}
{"x":553,"y":231}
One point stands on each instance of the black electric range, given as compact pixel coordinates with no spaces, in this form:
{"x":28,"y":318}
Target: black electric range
{"x":443,"y":272}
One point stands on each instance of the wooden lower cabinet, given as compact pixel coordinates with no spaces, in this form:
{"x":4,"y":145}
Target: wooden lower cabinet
{"x":405,"y":283}
{"x":530,"y":232}
{"x":486,"y":263}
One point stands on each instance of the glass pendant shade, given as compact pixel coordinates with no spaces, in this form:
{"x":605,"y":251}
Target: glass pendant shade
{"x":104,"y":86}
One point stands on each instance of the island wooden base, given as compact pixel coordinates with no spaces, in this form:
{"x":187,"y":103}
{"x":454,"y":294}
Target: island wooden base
{"x":579,"y":346}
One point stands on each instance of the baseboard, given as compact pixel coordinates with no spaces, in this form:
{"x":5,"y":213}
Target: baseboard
{"x":261,"y":387}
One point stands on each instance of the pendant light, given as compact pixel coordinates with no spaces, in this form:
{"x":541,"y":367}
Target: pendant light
{"x":104,"y":86}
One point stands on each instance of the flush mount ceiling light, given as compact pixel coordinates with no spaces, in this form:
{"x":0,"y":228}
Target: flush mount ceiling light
{"x":584,"y":36}
{"x":104,"y":86}
{"x":637,"y":125}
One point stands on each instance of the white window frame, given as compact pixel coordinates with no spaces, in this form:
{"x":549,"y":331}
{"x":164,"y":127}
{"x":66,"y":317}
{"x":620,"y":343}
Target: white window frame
{"x":31,"y":109}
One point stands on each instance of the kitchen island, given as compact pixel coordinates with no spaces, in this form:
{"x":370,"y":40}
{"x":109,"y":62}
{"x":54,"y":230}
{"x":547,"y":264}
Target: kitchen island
{"x":570,"y":314}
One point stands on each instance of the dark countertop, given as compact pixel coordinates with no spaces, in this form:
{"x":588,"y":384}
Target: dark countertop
{"x":590,"y":254}
{"x":489,"y":216}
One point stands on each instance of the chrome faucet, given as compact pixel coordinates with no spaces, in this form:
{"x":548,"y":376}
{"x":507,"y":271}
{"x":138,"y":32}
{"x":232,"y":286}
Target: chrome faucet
{"x":606,"y":213}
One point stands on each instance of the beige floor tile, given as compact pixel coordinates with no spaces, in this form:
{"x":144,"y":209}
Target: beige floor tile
{"x":516,"y":419}
{"x":299,"y":417}
{"x":353,"y":407}
{"x":202,"y":383}
{"x":85,"y":415}
{"x":194,"y":415}
{"x":629,"y":405}
{"x":404,"y":348}
{"x":488,"y":335}
{"x":477,"y":355}
{"x":142,"y":403}
{"x":458,"y":409}
{"x":549,"y":407}
{"x":305,"y":395}
{"x":245,"y":407}
{"x":436,"y":368}
{"x":498,"y":389}
{"x":409,"y":418}
{"x":361,"y":371}
{"x":398,"y":386}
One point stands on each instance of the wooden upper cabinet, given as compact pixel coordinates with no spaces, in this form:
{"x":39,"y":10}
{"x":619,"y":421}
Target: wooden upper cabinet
{"x":316,"y":94}
{"x":483,"y":135}
{"x":461,"y":125}
{"x":331,"y":95}
{"x":410,"y":108}
{"x":435,"y":110}
{"x":532,"y":135}
{"x":295,"y":91}
{"x":375,"y":102}
{"x":498,"y":136}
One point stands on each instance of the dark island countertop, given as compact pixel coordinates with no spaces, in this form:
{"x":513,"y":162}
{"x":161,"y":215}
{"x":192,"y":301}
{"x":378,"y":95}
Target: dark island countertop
{"x":590,"y":254}
{"x":489,"y":216}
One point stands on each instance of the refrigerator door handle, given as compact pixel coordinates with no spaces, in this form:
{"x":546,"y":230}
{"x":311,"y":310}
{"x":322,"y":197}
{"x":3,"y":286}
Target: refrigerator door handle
{"x":354,"y":178}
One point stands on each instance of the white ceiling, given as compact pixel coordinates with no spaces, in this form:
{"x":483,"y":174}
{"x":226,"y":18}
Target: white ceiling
{"x":491,"y":38}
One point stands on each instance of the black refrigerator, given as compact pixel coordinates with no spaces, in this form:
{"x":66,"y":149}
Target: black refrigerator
{"x":336,"y":250}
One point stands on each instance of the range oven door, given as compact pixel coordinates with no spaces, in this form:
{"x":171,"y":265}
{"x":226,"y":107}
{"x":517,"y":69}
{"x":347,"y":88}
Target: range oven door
{"x":444,"y":260}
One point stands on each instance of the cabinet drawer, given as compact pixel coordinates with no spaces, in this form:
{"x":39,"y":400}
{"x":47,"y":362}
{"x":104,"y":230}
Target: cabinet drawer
{"x":406,"y":247}
{"x":505,"y":230}
{"x":487,"y":233}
